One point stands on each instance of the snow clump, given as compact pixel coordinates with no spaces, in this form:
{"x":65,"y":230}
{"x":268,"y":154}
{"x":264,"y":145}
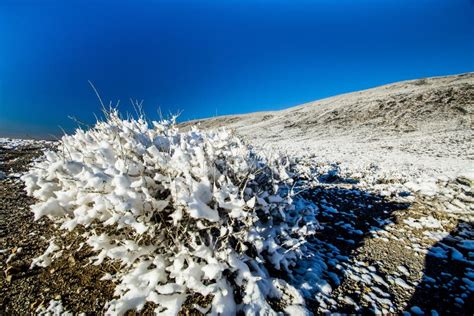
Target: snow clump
{"x":185,"y":213}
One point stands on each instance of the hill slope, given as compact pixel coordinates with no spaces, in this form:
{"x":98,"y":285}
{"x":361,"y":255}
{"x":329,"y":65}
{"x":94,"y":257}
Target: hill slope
{"x":410,"y":126}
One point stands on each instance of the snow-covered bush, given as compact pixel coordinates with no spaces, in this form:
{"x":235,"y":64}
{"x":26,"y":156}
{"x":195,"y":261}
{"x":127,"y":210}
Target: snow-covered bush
{"x":185,"y":213}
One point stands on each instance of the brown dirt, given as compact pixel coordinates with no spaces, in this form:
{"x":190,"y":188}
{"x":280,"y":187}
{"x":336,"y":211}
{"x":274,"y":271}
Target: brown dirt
{"x":71,"y":278}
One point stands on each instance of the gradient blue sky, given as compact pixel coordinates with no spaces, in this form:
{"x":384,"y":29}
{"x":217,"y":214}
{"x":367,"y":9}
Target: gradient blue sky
{"x":215,"y":57}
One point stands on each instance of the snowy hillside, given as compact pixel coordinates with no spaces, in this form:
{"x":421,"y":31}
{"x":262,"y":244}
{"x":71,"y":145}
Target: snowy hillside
{"x":412,"y":128}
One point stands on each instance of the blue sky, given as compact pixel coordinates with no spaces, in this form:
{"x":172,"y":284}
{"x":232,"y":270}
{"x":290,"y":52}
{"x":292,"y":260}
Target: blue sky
{"x":215,"y":57}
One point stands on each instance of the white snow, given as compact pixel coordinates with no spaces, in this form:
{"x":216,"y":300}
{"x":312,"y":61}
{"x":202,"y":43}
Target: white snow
{"x":10,"y":143}
{"x":45,"y":259}
{"x":402,"y":283}
{"x":423,"y":222}
{"x":54,"y":308}
{"x":417,"y":311}
{"x":467,"y":244}
{"x":403,"y":270}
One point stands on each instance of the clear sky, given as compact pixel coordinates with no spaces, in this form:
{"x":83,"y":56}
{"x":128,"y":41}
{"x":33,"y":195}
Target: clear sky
{"x":215,"y":57}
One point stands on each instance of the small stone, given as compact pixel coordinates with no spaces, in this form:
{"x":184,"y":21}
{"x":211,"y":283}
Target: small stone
{"x":71,"y":260}
{"x":465,"y":181}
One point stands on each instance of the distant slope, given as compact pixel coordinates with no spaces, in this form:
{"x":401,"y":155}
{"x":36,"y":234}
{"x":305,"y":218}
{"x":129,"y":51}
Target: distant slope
{"x":426,"y":104}
{"x":432,"y":117}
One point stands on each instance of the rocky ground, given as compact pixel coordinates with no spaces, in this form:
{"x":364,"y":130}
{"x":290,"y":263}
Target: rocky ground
{"x":394,"y":254}
{"x":379,"y":252}
{"x":70,"y":279}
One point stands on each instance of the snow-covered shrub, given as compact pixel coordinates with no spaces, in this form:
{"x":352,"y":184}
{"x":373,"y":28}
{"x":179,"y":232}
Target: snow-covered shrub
{"x":185,"y":213}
